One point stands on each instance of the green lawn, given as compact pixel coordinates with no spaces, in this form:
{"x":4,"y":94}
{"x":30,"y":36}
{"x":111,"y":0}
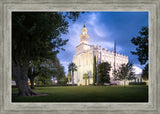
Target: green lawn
{"x":87,"y":94}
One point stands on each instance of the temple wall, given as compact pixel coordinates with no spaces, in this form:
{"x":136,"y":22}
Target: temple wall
{"x":84,"y":61}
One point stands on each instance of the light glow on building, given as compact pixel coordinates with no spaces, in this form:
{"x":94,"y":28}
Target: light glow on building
{"x":84,"y":59}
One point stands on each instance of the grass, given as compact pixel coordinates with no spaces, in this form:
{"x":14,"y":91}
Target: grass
{"x":87,"y":94}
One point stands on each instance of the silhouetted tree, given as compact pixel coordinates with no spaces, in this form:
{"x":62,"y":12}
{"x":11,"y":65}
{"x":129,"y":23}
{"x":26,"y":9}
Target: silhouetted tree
{"x":145,"y":73}
{"x":103,"y":72}
{"x":94,"y":71}
{"x":35,"y":35}
{"x":142,"y":49}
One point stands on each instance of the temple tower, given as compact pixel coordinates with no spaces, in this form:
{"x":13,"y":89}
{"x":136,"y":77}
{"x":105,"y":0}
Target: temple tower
{"x":84,"y":36}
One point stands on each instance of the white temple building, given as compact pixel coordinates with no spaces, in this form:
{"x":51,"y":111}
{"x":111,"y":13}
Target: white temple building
{"x":84,"y":59}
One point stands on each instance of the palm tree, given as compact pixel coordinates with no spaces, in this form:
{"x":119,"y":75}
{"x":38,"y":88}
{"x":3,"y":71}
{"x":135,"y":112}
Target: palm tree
{"x":72,"y":67}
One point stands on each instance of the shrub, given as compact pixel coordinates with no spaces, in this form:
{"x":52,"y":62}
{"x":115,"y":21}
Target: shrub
{"x":135,"y":83}
{"x":113,"y":83}
{"x":99,"y":84}
{"x":55,"y":85}
{"x":14,"y":86}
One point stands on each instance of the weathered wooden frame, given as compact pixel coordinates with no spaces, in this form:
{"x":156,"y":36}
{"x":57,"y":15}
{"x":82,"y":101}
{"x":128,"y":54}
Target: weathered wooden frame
{"x":7,"y":6}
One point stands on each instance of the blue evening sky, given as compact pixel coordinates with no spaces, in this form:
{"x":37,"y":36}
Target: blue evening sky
{"x":103,"y":29}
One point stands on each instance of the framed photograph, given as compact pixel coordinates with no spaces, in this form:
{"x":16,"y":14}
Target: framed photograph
{"x":96,"y":57}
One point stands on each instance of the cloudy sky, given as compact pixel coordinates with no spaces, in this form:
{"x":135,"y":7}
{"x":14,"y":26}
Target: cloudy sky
{"x":103,"y":29}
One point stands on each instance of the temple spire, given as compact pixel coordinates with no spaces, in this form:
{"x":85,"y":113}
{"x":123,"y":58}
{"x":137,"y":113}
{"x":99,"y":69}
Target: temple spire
{"x":84,"y":30}
{"x":84,"y":25}
{"x":84,"y":37}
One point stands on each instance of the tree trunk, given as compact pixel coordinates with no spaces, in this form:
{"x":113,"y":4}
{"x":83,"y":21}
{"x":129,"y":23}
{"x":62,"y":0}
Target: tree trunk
{"x":72,"y":78}
{"x":20,"y":72}
{"x":32,"y":82}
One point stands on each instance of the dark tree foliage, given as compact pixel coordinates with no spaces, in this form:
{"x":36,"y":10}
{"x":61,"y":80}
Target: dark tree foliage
{"x":94,"y":71}
{"x":142,"y":49}
{"x":64,"y":80}
{"x":103,"y":72}
{"x":44,"y":70}
{"x":72,"y":15}
{"x":44,"y":75}
{"x":142,"y":45}
{"x":35,"y":36}
{"x":59,"y":73}
{"x":145,"y":73}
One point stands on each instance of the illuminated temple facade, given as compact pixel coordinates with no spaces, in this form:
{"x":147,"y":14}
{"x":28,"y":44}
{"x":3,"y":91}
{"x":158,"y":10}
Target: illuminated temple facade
{"x":84,"y":59}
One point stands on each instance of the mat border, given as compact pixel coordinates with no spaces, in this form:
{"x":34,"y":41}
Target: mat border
{"x":7,"y":6}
